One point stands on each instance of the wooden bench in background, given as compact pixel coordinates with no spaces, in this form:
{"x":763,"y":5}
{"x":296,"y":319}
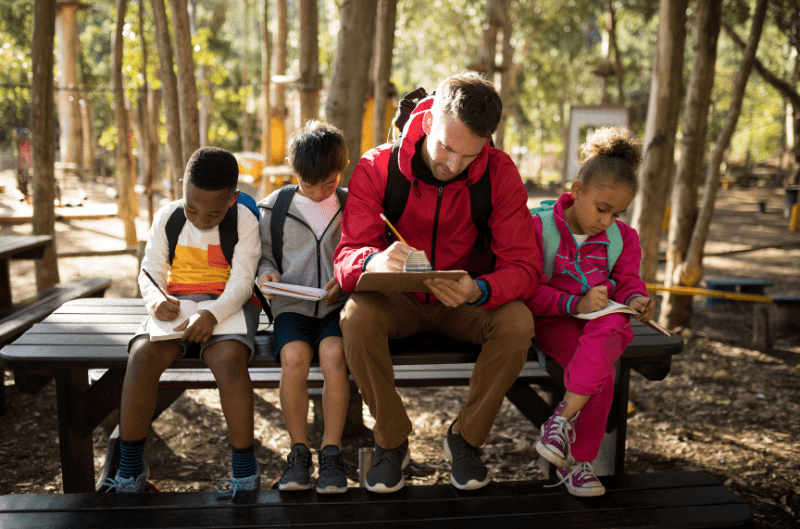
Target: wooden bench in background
{"x":663,"y":500}
{"x":36,"y":308}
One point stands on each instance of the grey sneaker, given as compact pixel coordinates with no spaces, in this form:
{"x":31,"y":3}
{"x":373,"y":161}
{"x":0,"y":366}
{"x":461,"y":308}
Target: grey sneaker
{"x":468,"y":471}
{"x":332,"y":475}
{"x":386,"y":473}
{"x":235,"y":485}
{"x":297,"y":475}
{"x":125,"y":485}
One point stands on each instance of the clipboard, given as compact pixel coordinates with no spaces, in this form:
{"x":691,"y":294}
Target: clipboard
{"x":402,"y":281}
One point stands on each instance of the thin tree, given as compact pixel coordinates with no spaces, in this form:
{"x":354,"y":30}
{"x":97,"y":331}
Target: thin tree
{"x":187,"y":83}
{"x":266,"y":138}
{"x":245,"y":76}
{"x":69,"y":112}
{"x":169,"y":83}
{"x":126,"y":178}
{"x":659,"y":139}
{"x":384,"y":38}
{"x":350,"y":71}
{"x":675,"y":310}
{"x":281,"y":36}
{"x":310,"y":80}
{"x":43,"y":149}
{"x":694,"y":255}
{"x":145,"y":165}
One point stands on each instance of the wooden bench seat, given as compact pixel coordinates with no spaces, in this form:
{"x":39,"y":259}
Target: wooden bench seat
{"x":743,"y":285}
{"x":664,"y":500}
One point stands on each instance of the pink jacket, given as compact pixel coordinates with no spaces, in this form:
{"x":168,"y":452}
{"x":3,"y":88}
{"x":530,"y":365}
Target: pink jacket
{"x":441,"y":225}
{"x":576,"y":270}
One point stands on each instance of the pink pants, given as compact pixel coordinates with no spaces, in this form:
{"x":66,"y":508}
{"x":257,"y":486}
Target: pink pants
{"x":587,"y":350}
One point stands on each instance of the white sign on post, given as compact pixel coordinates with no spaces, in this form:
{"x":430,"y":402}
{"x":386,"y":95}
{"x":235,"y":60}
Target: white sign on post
{"x":591,"y":117}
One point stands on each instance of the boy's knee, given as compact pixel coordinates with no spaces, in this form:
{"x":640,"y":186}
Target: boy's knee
{"x":296,"y":357}
{"x":145,"y":354}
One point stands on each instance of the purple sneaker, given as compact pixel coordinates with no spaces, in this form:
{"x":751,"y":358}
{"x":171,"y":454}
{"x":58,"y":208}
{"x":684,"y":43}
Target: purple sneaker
{"x":557,"y":435}
{"x":580,"y":480}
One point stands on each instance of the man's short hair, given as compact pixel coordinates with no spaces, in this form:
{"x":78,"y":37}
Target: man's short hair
{"x":317,"y":151}
{"x":212,"y":169}
{"x":471,"y":98}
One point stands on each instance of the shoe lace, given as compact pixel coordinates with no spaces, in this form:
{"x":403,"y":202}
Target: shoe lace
{"x":395,"y":455}
{"x":297,"y":457}
{"x":577,"y":468}
{"x":233,"y":486}
{"x":562,"y":430}
{"x":332,"y":462}
{"x":463,"y":449}
{"x":114,"y":483}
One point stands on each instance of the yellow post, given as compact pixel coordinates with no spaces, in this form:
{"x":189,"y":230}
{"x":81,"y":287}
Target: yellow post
{"x":794,"y":222}
{"x":665,"y":220}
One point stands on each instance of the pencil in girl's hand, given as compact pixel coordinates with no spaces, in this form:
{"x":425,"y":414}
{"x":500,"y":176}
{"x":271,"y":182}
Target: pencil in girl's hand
{"x":399,"y":237}
{"x":156,"y":284}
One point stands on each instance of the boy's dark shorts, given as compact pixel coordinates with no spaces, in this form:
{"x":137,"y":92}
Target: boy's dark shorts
{"x":195,"y":349}
{"x":290,"y":326}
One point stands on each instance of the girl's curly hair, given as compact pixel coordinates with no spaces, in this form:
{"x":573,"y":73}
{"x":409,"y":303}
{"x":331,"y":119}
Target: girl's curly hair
{"x":611,"y":151}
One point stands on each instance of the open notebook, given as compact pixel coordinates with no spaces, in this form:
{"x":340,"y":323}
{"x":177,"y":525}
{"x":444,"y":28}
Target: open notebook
{"x":163,"y":330}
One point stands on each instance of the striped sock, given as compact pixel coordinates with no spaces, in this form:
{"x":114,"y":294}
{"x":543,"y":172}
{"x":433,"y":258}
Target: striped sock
{"x":131,"y":458}
{"x":244,"y":462}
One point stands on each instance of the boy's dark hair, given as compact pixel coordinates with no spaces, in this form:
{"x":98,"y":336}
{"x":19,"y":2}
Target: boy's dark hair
{"x":212,"y":169}
{"x":611,"y":151}
{"x":472,"y":99}
{"x":317,"y":151}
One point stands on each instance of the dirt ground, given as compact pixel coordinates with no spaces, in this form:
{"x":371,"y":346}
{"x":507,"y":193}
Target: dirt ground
{"x":724,"y":409}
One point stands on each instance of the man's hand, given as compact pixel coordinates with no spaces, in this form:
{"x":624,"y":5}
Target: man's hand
{"x":334,"y":292}
{"x":266,"y":278}
{"x":646,"y":306}
{"x":198,"y":330}
{"x":454,"y":293}
{"x":595,"y":299}
{"x":391,"y":259}
{"x":167,"y":310}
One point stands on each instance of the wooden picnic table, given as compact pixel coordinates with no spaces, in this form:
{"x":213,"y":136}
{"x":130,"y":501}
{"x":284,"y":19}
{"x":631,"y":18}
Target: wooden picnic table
{"x":17,"y":247}
{"x":90,"y":334}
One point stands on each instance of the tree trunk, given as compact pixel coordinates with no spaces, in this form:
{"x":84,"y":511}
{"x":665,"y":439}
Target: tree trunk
{"x":345,"y":104}
{"x":170,"y":95}
{"x":659,"y":142}
{"x":384,"y":51}
{"x":187,"y":85}
{"x":154,"y":103}
{"x":146,"y":178}
{"x":126,"y":178}
{"x":281,"y":36}
{"x":69,"y":112}
{"x":612,"y":44}
{"x":675,"y":310}
{"x":43,"y":150}
{"x":266,"y":114}
{"x":308,"y":57}
{"x":205,"y":104}
{"x":88,"y":132}
{"x":245,"y":76}
{"x":506,"y":70}
{"x":694,"y":257}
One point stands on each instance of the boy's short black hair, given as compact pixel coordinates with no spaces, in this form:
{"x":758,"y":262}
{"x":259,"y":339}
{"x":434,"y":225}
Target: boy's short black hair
{"x":212,"y":169}
{"x":317,"y":151}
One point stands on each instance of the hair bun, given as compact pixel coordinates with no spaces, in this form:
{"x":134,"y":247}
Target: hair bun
{"x":613,"y":142}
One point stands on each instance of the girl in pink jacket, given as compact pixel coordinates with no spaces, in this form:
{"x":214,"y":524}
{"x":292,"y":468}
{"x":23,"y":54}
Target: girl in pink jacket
{"x":581,"y":282}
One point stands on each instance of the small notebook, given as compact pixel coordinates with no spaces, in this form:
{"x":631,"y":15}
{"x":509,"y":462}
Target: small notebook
{"x":614,"y":307}
{"x":294,"y":291}
{"x":163,"y":330}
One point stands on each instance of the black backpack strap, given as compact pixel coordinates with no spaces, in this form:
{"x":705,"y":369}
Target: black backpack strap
{"x":397,"y":188}
{"x":480,"y":198}
{"x":229,"y":233}
{"x":173,"y":228}
{"x":341,"y":194}
{"x":277,"y":220}
{"x":405,"y":107}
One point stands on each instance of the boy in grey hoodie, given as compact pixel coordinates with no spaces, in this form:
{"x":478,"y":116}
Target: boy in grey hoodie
{"x":305,"y":330}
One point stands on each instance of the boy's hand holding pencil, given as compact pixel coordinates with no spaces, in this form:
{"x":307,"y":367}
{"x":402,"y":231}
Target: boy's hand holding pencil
{"x":166,"y":310}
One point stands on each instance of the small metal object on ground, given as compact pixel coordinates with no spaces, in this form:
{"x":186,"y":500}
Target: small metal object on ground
{"x":365,"y":456}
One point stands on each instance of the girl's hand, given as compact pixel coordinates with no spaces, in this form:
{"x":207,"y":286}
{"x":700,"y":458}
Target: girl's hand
{"x":263,"y":282}
{"x":200,"y":329}
{"x":167,"y":310}
{"x":334,"y":292}
{"x":595,"y":299}
{"x":646,"y":306}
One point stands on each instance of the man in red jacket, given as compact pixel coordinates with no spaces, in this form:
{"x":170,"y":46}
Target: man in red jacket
{"x":444,"y":150}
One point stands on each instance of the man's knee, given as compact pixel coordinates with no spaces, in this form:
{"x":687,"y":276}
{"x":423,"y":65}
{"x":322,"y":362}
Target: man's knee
{"x":361,"y":311}
{"x":515,"y":320}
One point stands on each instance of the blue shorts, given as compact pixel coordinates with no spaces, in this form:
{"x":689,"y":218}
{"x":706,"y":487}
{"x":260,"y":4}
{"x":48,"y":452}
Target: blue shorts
{"x":290,"y":326}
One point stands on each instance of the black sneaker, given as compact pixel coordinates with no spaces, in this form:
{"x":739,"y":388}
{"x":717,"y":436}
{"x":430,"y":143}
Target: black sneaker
{"x":297,"y":475}
{"x":332,"y":476}
{"x":386,"y":472}
{"x":468,"y":471}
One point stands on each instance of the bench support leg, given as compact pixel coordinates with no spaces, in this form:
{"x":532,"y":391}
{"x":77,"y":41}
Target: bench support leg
{"x":77,"y":457}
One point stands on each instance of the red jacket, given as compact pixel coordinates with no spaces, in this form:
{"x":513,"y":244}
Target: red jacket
{"x":576,"y":270}
{"x":441,"y":226}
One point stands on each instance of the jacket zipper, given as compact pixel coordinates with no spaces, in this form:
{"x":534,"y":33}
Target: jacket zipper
{"x":433,"y":238}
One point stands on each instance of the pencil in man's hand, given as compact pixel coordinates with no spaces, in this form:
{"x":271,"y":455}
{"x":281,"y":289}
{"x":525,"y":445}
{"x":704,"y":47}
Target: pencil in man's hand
{"x":156,"y":284}
{"x":399,"y":237}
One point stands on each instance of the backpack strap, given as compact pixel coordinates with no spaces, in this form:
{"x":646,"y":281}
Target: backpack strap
{"x":277,"y":221}
{"x":397,"y":188}
{"x":173,"y":228}
{"x":229,"y":233}
{"x":480,"y":202}
{"x":615,"y":245}
{"x":551,"y":240}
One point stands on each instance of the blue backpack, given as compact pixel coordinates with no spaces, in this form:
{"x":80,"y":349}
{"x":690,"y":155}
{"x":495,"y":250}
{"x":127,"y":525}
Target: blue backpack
{"x":551,"y":238}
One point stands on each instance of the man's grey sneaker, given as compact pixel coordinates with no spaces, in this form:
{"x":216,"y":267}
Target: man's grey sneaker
{"x":235,"y":485}
{"x":557,"y":434}
{"x":468,"y":471}
{"x":332,"y":475}
{"x":386,"y":472}
{"x":297,"y":475}
{"x":124,"y":485}
{"x":580,"y":480}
